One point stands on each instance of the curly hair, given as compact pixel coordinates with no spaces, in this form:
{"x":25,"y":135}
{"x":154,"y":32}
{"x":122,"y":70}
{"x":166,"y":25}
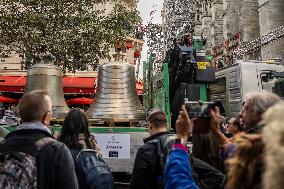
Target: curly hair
{"x":273,"y":135}
{"x":245,"y":167}
{"x":261,"y":101}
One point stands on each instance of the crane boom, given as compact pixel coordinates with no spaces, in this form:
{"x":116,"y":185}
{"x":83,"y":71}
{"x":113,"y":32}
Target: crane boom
{"x":260,"y":42}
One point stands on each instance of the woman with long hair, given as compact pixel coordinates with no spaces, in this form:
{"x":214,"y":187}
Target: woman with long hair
{"x":91,"y":170}
{"x":75,"y":132}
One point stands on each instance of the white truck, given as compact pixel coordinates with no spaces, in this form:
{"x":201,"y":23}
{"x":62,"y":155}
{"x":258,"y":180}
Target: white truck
{"x":233,"y":82}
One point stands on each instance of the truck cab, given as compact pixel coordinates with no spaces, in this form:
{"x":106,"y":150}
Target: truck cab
{"x":233,"y":82}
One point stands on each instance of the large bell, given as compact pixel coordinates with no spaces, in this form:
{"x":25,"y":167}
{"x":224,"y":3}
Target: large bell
{"x":116,"y":96}
{"x":44,"y":75}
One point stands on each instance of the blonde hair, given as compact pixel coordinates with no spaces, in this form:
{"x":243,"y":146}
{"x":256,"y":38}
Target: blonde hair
{"x":245,"y":166}
{"x":273,"y":135}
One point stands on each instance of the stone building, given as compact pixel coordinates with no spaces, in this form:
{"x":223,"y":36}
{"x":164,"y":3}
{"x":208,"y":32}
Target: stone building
{"x":230,"y":18}
{"x":206,"y":22}
{"x":221,"y":20}
{"x":216,"y":22}
{"x":271,"y":17}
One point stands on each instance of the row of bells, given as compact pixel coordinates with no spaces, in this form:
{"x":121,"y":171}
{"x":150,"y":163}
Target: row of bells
{"x":115,"y":98}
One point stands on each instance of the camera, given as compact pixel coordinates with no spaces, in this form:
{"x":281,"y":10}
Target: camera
{"x":199,"y":112}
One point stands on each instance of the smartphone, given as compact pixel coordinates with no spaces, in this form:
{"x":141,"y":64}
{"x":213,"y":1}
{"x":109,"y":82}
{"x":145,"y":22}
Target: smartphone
{"x":199,"y":112}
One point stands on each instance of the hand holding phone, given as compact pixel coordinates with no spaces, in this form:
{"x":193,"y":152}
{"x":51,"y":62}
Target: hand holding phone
{"x":215,"y":119}
{"x":183,"y":125}
{"x":200,"y":111}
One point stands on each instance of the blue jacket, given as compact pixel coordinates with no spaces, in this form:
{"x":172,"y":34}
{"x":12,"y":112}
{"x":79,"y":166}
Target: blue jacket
{"x":178,"y":171}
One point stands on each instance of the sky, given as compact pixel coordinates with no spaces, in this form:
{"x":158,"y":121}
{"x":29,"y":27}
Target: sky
{"x":145,"y":7}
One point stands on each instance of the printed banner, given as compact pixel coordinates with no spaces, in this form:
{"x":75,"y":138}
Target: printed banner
{"x":114,"y":145}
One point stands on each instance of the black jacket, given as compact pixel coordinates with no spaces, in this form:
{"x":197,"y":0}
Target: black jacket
{"x":55,"y":165}
{"x":142,"y":175}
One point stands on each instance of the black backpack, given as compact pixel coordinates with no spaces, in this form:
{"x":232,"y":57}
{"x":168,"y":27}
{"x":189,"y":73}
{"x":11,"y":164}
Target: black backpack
{"x":18,"y":169}
{"x":163,"y":146}
{"x":92,"y":171}
{"x":205,"y":176}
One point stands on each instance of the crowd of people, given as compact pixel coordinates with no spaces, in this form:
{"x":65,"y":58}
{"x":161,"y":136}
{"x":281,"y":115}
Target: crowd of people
{"x":244,"y":152}
{"x":8,"y":115}
{"x":241,"y":152}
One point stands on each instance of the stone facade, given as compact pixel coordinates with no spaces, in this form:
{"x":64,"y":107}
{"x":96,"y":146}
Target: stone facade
{"x":249,"y":20}
{"x":223,"y":19}
{"x":249,"y":23}
{"x":10,"y":62}
{"x":271,"y":17}
{"x":217,"y":22}
{"x":206,"y":23}
{"x":195,"y":11}
{"x":230,"y":17}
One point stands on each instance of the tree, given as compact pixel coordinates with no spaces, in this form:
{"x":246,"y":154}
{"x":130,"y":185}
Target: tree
{"x":77,"y":32}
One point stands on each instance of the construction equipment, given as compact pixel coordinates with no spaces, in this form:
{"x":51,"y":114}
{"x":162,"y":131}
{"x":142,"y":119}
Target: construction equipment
{"x":233,"y":82}
{"x":156,"y":87}
{"x":185,"y":74}
{"x":229,"y":51}
{"x":260,"y":42}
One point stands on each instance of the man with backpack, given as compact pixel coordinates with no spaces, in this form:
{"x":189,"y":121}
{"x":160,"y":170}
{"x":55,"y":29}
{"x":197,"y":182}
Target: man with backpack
{"x":145,"y":175}
{"x":149,"y":167}
{"x":29,"y":156}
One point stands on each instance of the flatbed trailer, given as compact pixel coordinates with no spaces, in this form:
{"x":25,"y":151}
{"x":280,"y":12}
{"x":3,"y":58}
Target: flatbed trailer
{"x":118,"y":145}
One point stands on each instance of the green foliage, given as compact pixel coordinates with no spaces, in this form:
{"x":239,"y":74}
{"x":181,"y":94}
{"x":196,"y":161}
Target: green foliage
{"x":77,"y":32}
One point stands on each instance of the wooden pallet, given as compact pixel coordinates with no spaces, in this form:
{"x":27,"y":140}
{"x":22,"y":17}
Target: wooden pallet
{"x":103,"y":122}
{"x":113,"y":122}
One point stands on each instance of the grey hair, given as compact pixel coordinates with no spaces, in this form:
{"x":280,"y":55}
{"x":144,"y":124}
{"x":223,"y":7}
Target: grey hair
{"x":261,"y":101}
{"x":273,"y":137}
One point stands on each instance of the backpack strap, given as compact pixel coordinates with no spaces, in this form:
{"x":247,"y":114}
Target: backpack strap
{"x":163,"y":145}
{"x":86,"y":150}
{"x":154,"y":160}
{"x":40,"y":143}
{"x":193,"y":173}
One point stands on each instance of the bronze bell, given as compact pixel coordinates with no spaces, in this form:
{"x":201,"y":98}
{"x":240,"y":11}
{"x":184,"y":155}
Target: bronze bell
{"x":44,"y":75}
{"x":116,"y":96}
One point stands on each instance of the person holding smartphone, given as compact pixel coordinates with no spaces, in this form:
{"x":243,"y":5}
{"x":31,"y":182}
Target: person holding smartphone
{"x":178,"y":158}
{"x":183,"y":171}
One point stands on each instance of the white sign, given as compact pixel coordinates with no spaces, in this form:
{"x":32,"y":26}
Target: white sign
{"x":114,"y":145}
